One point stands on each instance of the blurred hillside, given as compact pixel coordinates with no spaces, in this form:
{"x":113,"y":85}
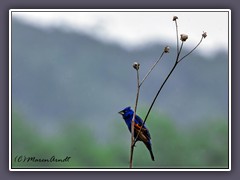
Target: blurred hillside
{"x":58,"y":75}
{"x":62,"y":79}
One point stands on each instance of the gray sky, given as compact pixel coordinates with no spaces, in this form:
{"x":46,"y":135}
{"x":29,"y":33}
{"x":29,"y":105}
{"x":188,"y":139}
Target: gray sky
{"x":134,"y":29}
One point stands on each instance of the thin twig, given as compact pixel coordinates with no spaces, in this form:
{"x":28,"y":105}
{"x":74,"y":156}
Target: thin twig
{"x":178,"y":55}
{"x":191,"y":50}
{"x":177,"y":36}
{"x":151,"y":69}
{"x":132,"y":125}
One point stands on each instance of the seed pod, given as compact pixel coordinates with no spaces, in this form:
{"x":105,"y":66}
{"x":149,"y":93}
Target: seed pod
{"x":166,"y":49}
{"x":175,"y":18}
{"x":136,"y":65}
{"x":204,"y":35}
{"x":184,"y":37}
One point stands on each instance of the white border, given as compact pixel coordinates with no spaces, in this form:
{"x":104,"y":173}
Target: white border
{"x":133,"y":10}
{"x":124,"y":10}
{"x":229,"y":89}
{"x":10,"y":89}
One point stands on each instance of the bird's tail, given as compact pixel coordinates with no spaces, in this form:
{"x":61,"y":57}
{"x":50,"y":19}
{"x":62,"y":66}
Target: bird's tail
{"x":149,"y":146}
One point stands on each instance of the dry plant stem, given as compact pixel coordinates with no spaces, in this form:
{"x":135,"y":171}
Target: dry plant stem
{"x":151,"y":69}
{"x":132,"y":125}
{"x":149,"y":110}
{"x":191,"y":50}
{"x":177,"y":36}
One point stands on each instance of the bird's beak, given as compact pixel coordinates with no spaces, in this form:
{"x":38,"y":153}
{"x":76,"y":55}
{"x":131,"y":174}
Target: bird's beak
{"x":121,"y":112}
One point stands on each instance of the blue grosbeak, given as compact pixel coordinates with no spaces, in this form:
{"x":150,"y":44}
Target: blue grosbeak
{"x":144,"y":135}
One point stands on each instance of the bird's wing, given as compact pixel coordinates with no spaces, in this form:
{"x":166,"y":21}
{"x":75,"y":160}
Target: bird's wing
{"x":138,"y":120}
{"x":144,"y":132}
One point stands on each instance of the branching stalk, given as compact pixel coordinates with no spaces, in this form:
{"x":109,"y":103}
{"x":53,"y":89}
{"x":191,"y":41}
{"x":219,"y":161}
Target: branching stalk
{"x":183,"y":38}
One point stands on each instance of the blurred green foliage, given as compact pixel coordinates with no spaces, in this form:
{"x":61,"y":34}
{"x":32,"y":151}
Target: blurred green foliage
{"x":203,"y":145}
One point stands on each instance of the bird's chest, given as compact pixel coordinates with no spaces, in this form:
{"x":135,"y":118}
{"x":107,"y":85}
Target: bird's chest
{"x":129,"y":124}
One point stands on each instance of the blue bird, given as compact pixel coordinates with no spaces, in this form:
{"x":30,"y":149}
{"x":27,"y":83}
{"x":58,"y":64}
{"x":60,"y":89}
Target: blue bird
{"x":144,"y":135}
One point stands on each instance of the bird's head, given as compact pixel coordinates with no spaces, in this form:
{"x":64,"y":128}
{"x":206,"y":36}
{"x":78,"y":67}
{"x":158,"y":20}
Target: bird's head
{"x":126,"y":112}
